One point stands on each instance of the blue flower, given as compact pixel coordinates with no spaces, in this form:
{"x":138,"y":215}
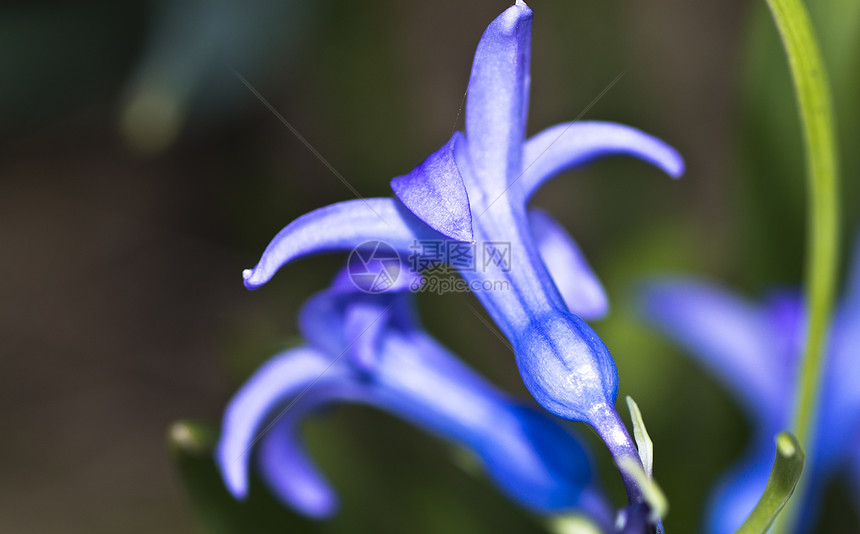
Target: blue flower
{"x":475,"y":190}
{"x":369,"y":349}
{"x":754,"y":349}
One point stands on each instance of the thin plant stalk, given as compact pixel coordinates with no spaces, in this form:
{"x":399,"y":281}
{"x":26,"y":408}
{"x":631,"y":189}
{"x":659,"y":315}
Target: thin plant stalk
{"x":812,"y":91}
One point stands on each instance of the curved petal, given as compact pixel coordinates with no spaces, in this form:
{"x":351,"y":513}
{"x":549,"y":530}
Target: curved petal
{"x":346,"y":317}
{"x":366,"y":321}
{"x":497,"y":99}
{"x":406,"y":280}
{"x":532,"y":458}
{"x":538,"y":462}
{"x":728,"y":335}
{"x":529,"y":456}
{"x":435,"y":193}
{"x":839,"y":417}
{"x":321,"y":320}
{"x":342,"y":226}
{"x":572,"y":144}
{"x":290,"y":474}
{"x":279,"y":379}
{"x":425,"y":383}
{"x":785,"y":311}
{"x":282,"y":460}
{"x":579,"y":287}
{"x":840,"y":403}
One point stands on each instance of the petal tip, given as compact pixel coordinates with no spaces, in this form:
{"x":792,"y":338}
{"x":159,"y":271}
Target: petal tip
{"x":233,"y":472}
{"x":239,"y":490}
{"x":666,"y":158}
{"x":518,"y":11}
{"x":319,"y":506}
{"x":462,"y":233}
{"x":513,"y":20}
{"x":509,"y":21}
{"x":252,"y":278}
{"x":675,"y":167}
{"x":436,"y":194}
{"x":596,"y":310}
{"x":591,"y":302}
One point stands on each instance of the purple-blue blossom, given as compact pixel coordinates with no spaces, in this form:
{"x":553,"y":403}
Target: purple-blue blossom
{"x":754,"y":349}
{"x":369,"y":349}
{"x":475,"y":189}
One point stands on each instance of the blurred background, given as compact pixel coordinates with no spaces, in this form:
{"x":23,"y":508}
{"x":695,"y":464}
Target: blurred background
{"x":139,"y":176}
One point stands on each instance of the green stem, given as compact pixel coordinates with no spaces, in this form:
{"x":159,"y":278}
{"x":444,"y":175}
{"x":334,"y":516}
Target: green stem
{"x":813,"y":96}
{"x":787,"y":468}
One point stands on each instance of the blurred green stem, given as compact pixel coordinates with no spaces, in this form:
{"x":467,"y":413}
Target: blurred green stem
{"x":813,"y":96}
{"x":787,"y":468}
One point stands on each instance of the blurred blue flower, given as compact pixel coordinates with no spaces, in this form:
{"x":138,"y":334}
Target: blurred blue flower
{"x":754,"y":349}
{"x":369,"y":348}
{"x":475,"y":190}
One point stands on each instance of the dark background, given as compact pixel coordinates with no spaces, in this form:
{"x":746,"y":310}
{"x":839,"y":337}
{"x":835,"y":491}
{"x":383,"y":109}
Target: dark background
{"x":138,"y":177}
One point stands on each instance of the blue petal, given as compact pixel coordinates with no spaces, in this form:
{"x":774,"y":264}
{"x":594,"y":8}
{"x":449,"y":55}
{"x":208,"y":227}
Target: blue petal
{"x":569,"y":145}
{"x":497,"y":100}
{"x":839,"y":418}
{"x":290,"y":474}
{"x":577,"y":283}
{"x":279,"y":379}
{"x":533,"y":459}
{"x":530,"y":456}
{"x":365,"y":323}
{"x":435,"y":193}
{"x":282,"y":460}
{"x":538,"y":462}
{"x":406,"y":280}
{"x":340,"y":227}
{"x":345,"y":320}
{"x":321,"y":320}
{"x":731,"y":337}
{"x":840,"y":405}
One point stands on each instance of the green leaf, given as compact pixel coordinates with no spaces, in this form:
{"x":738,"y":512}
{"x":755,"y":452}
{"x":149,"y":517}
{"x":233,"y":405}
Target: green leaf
{"x":787,"y":468}
{"x":643,"y":440}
